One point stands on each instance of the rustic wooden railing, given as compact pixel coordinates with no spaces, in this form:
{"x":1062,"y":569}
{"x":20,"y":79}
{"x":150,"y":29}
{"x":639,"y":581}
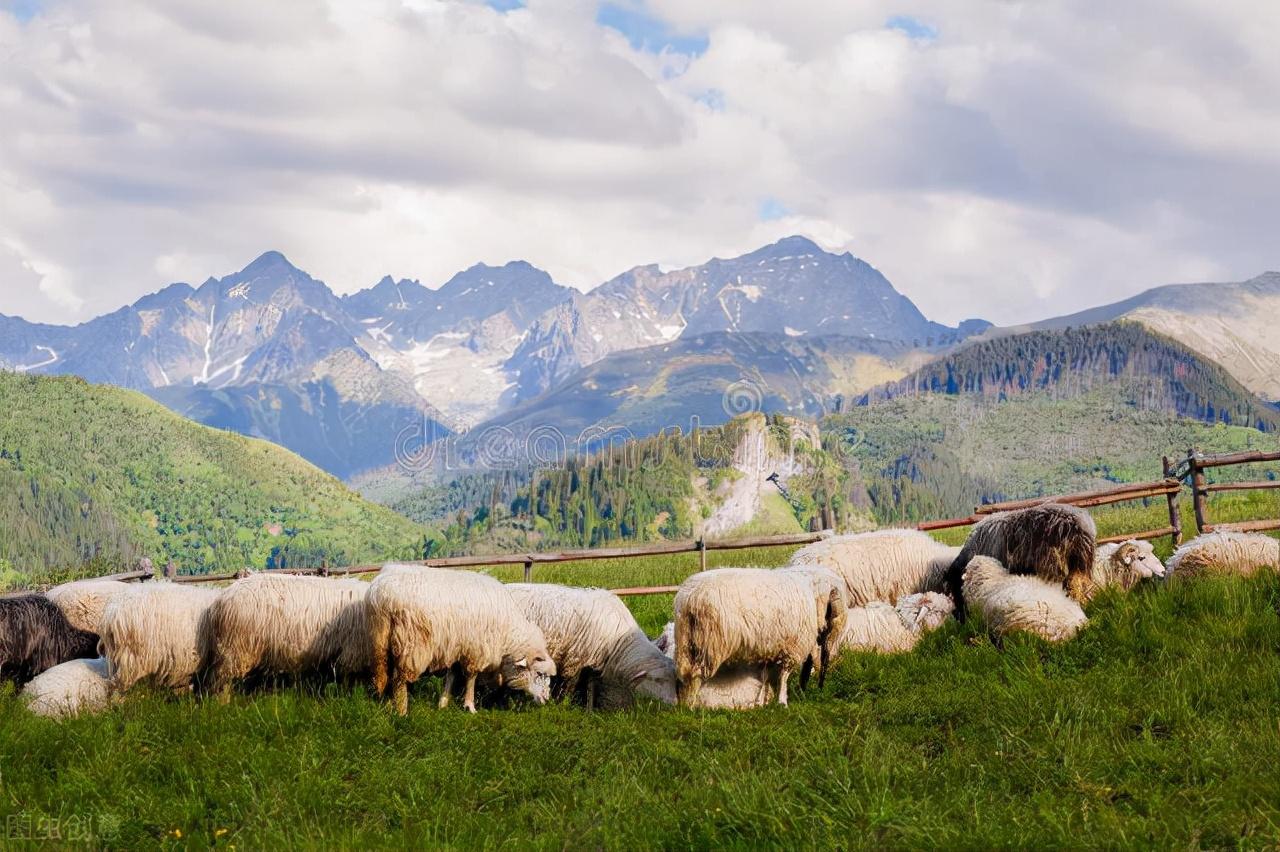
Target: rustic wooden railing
{"x":1191,"y":468}
{"x":528,"y":560}
{"x":1169,"y":488}
{"x":1201,"y":488}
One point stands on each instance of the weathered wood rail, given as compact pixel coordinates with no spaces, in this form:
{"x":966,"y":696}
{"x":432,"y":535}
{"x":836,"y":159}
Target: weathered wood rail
{"x":1191,"y":468}
{"x":1196,"y":465}
{"x":1169,"y":488}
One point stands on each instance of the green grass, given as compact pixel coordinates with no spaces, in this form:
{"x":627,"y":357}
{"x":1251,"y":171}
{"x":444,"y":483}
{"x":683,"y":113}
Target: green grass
{"x":1158,"y":726}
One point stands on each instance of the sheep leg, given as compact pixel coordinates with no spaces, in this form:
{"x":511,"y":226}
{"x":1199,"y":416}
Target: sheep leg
{"x":688,"y":692}
{"x":784,"y":674}
{"x":445,"y":692}
{"x":469,"y":697}
{"x":593,"y":687}
{"x":400,"y":695}
{"x":766,"y":681}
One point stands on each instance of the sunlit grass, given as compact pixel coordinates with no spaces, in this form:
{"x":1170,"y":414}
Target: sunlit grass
{"x":1158,"y":726}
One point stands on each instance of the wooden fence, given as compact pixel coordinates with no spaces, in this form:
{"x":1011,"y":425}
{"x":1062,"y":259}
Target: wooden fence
{"x":1170,"y":488}
{"x":1197,"y":463}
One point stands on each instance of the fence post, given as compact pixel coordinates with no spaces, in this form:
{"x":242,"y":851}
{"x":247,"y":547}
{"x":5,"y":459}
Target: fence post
{"x":528,"y":570}
{"x":1198,"y":492}
{"x":1175,"y":517}
{"x":702,"y":554}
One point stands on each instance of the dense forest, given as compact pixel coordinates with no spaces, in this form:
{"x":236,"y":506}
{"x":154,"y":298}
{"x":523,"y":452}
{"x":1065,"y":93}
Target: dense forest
{"x":93,"y":478}
{"x":939,"y":455}
{"x":1065,"y":364}
{"x":660,"y":487}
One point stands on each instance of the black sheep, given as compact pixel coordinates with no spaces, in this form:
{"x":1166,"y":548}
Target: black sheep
{"x":1053,"y":541}
{"x":35,"y":636}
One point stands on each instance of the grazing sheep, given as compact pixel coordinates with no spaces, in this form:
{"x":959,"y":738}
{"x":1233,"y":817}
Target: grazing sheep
{"x":36,"y":636}
{"x":892,"y":629}
{"x":882,"y":565}
{"x":68,"y":689}
{"x":1123,"y":565}
{"x":288,"y":624}
{"x":1225,"y":552}
{"x":770,"y":619}
{"x":735,"y":687}
{"x":599,"y":650}
{"x":84,"y":601}
{"x":1010,"y":602}
{"x":1053,"y":541}
{"x":829,"y":596}
{"x":428,"y":620}
{"x":157,"y":632}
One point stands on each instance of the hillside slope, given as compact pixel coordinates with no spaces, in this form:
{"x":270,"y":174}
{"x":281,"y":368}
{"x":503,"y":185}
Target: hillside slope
{"x":938,"y":455}
{"x":1232,"y":324}
{"x":713,"y":377}
{"x":94,"y":477}
{"x":1069,"y":362}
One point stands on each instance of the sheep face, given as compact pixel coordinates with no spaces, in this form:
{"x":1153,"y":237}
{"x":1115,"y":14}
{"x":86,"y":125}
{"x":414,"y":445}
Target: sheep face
{"x":657,"y":682}
{"x":531,"y":673}
{"x":925,"y":611}
{"x":1140,"y":558}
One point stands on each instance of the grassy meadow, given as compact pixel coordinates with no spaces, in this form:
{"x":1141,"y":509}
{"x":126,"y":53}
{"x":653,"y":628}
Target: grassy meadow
{"x":1158,"y":726}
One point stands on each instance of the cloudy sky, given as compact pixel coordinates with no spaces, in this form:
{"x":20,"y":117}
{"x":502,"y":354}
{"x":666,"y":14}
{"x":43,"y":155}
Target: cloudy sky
{"x":992,"y":157}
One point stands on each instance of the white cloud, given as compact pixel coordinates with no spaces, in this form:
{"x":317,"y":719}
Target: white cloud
{"x":1032,"y":158}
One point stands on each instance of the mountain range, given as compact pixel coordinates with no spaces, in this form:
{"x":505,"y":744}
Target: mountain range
{"x":271,"y":352}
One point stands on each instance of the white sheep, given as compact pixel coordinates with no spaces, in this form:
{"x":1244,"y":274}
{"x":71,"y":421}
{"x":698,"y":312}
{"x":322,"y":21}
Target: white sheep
{"x":893,"y":629}
{"x":883,"y":565}
{"x":157,"y":632}
{"x":735,"y":687}
{"x":1225,"y":552}
{"x":1010,"y":602}
{"x":69,"y":689}
{"x":599,"y":650}
{"x":1122,"y":565}
{"x":770,"y":619}
{"x":429,"y":620}
{"x":285,"y":624}
{"x":84,"y":601}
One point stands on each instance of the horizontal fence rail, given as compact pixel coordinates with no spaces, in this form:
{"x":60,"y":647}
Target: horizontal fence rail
{"x":1201,"y":488}
{"x":1191,"y":468}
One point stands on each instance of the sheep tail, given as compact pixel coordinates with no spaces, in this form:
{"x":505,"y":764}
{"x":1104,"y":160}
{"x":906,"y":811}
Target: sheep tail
{"x":686,"y":655}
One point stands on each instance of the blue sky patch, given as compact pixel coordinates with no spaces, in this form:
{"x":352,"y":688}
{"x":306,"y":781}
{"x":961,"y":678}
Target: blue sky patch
{"x":713,"y":99}
{"x":645,"y":32}
{"x":505,"y":5}
{"x":23,"y":10}
{"x":771,"y":209}
{"x":913,"y":27}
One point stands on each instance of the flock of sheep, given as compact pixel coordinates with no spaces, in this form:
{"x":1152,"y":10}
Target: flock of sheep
{"x":736,"y":638}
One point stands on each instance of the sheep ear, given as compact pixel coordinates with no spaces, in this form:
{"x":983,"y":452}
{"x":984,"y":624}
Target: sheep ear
{"x":636,"y":678}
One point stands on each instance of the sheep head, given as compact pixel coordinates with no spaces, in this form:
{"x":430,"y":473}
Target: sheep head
{"x":1139,"y":558}
{"x":925,"y":611}
{"x":527,"y":664}
{"x":658,"y":681}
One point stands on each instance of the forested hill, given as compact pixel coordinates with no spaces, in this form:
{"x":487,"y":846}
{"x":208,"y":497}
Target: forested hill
{"x":94,"y":477}
{"x":1064,"y":364}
